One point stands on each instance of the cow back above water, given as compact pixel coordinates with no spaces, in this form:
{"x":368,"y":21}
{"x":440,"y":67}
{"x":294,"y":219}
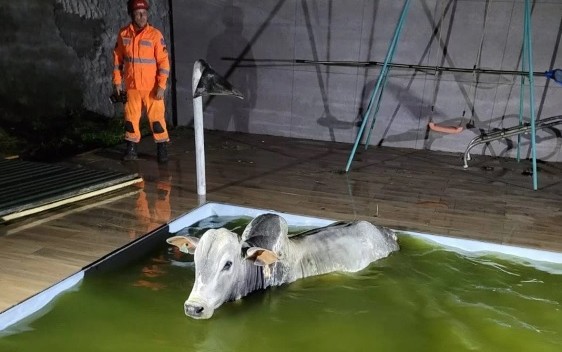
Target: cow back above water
{"x":228,"y":268}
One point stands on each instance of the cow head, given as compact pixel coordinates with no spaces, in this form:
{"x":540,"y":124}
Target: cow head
{"x":220,"y":269}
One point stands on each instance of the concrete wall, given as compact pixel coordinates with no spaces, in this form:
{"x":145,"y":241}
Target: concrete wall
{"x":327,"y":102}
{"x":56,"y":55}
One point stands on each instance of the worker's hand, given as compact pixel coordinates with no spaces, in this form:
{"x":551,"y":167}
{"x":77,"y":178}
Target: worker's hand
{"x":117,"y":88}
{"x":159,"y":93}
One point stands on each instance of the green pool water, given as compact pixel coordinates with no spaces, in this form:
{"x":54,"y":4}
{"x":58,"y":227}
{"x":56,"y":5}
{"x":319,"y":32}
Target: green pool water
{"x":423,"y":298}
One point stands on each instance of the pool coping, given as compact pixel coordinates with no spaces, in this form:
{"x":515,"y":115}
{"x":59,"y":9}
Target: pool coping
{"x":542,"y":260}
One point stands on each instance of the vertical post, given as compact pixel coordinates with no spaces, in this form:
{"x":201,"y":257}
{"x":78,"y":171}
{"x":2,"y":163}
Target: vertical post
{"x":382,"y":77}
{"x":529,"y":49}
{"x":199,"y":138}
{"x":173,"y":66}
{"x":522,"y":90}
{"x":393,"y":48}
{"x":375,"y":113}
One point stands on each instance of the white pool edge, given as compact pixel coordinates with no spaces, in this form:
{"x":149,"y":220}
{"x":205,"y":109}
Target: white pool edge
{"x":479,"y":247}
{"x":547,"y":261}
{"x":35,"y":303}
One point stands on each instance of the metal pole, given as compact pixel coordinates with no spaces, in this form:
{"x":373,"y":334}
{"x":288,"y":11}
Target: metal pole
{"x":199,"y":138}
{"x":522,"y":89}
{"x":529,"y":48}
{"x":173,"y":66}
{"x":272,"y":62}
{"x":401,"y":25}
{"x":382,"y":76}
{"x":375,"y":114}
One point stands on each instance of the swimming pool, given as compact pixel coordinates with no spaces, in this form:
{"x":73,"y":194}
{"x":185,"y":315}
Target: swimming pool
{"x":436,"y":294}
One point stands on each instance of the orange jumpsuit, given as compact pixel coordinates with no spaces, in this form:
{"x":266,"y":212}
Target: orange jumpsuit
{"x":141,"y":58}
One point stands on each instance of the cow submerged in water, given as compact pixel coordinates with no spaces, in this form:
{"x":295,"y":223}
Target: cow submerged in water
{"x":228,"y":268}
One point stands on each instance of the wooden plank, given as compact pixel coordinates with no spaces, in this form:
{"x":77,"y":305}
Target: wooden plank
{"x":88,"y":193}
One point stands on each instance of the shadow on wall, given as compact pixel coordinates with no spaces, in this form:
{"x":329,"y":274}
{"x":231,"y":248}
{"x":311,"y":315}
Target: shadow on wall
{"x":231,"y":43}
{"x":407,"y":101}
{"x":327,"y":119}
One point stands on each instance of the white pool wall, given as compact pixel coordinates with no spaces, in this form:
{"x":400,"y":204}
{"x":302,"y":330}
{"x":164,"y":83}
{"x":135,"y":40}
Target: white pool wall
{"x":461,"y":245}
{"x":37,"y":302}
{"x":218,"y":209}
{"x":540,"y":259}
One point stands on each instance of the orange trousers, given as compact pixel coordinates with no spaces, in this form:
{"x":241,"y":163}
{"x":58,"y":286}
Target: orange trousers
{"x":136,"y":101}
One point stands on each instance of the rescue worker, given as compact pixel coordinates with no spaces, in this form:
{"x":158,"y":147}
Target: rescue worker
{"x":141,"y":59}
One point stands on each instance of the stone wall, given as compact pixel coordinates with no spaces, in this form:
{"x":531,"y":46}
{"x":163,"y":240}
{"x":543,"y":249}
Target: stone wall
{"x":56,"y":55}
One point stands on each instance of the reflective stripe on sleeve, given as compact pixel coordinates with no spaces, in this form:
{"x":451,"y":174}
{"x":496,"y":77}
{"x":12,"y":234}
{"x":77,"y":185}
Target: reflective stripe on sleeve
{"x":164,"y":71}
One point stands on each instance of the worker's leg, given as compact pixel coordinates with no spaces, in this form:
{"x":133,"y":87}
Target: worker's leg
{"x":156,"y":116}
{"x":155,"y":110}
{"x":133,"y":111}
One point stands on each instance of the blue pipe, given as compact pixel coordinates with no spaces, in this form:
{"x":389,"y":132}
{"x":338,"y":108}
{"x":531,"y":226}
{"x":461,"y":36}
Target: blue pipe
{"x":529,"y":35}
{"x":382,"y":76}
{"x":384,"y":81}
{"x":375,"y":114}
{"x":555,"y":75}
{"x":522,"y":88}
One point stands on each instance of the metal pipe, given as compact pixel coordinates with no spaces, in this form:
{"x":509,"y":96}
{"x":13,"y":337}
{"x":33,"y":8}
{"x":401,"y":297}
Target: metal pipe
{"x":173,"y":66}
{"x":505,"y":133}
{"x":395,"y":65}
{"x":529,"y":47}
{"x":425,"y":67}
{"x":198,"y":129}
{"x":522,"y":91}
{"x":385,"y":78}
{"x":382,"y":76}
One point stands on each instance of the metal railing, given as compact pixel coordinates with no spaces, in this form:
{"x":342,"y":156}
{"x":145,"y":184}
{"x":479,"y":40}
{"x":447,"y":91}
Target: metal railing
{"x":508,"y":132}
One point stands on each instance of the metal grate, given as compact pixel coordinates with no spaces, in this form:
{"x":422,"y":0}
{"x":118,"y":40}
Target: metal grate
{"x":25,"y":185}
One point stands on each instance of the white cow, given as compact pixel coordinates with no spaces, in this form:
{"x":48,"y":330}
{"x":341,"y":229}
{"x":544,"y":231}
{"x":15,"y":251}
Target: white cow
{"x":228,"y":268}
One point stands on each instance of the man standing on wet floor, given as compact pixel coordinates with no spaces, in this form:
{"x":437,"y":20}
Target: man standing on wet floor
{"x":140,"y":58}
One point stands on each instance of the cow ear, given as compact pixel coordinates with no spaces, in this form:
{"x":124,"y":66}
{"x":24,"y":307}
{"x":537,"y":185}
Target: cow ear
{"x":186,"y":244}
{"x":261,"y":256}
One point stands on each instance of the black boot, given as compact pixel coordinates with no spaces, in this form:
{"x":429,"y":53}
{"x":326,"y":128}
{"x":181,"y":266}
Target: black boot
{"x":130,"y":152}
{"x":162,"y":152}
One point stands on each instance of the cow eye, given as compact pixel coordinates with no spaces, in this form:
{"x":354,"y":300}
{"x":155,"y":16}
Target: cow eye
{"x":227,"y":265}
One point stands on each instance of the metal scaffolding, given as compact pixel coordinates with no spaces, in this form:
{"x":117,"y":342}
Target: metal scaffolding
{"x":377,"y":91}
{"x":527,"y":77}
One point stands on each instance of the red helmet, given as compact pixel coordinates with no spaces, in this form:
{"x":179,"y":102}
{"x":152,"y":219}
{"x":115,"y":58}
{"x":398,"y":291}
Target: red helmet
{"x":133,"y":5}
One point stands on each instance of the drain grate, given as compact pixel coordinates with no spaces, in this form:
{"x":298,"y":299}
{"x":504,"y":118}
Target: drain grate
{"x":29,"y":187}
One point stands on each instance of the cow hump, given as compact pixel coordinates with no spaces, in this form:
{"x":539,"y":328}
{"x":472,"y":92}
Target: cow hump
{"x":265,"y":231}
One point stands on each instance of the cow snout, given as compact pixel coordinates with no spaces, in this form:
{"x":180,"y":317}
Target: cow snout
{"x":194,"y":311}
